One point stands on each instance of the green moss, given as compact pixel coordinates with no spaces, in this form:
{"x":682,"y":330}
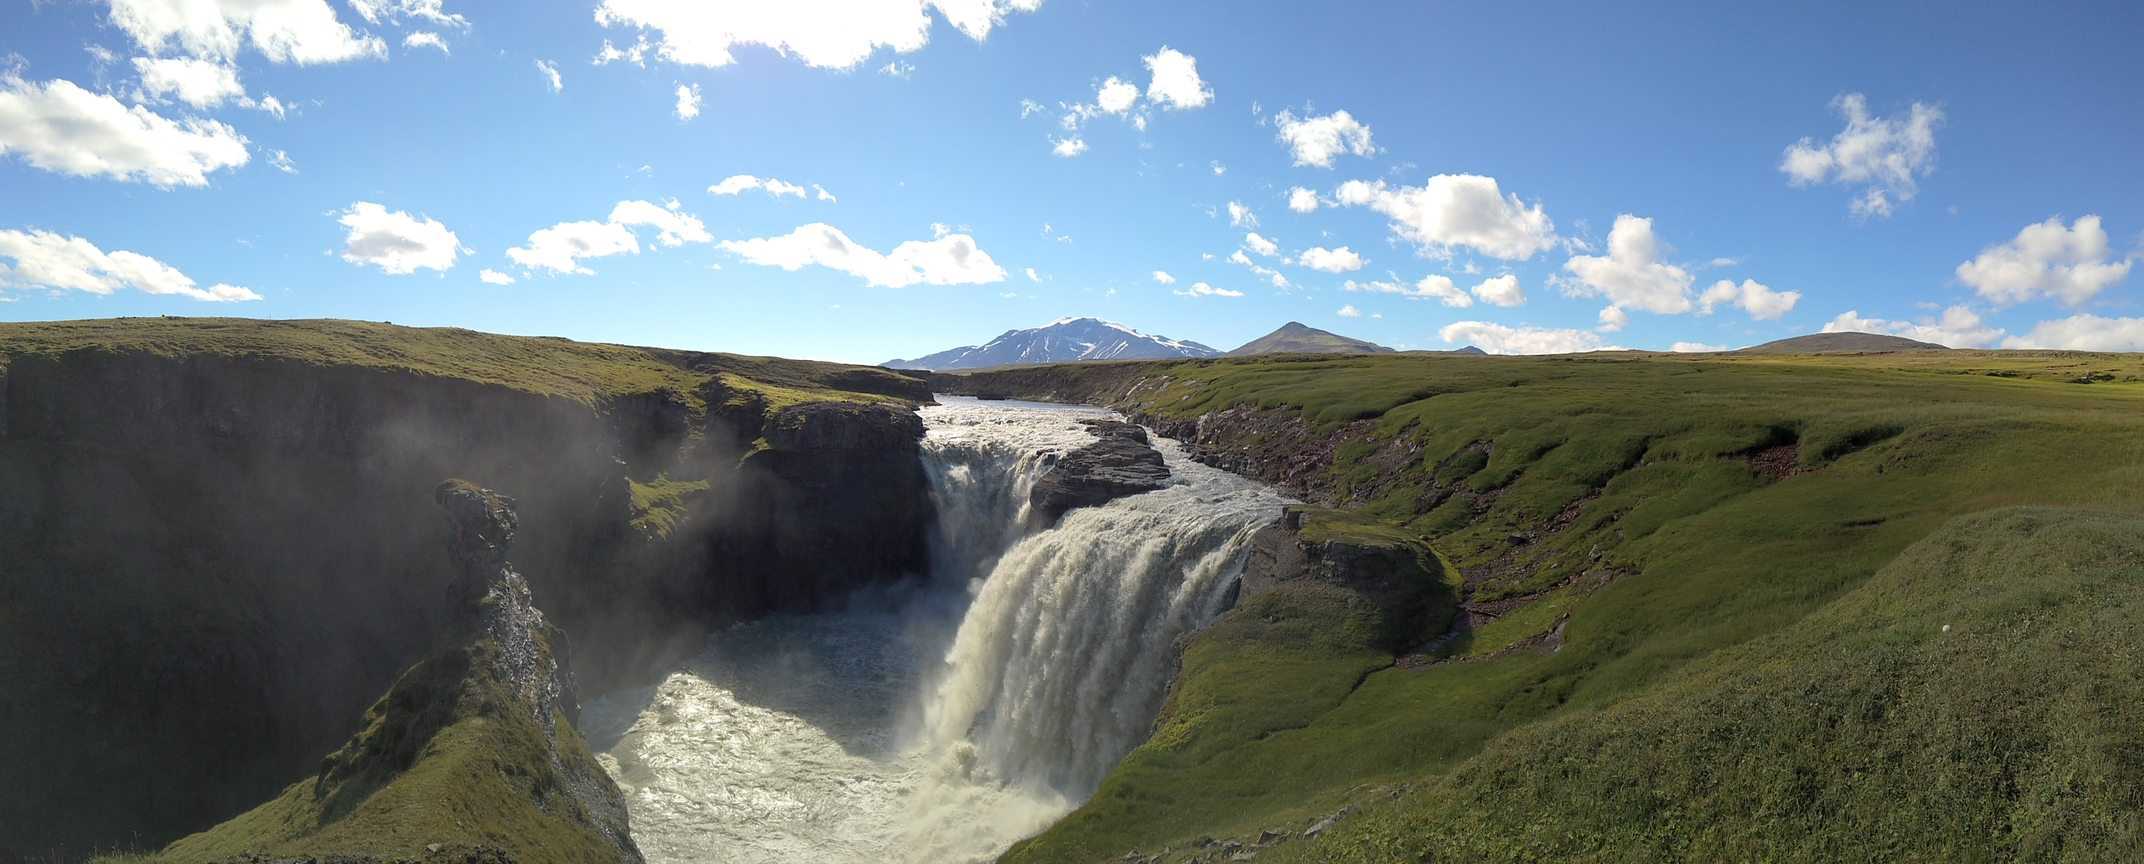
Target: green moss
{"x":660,"y":505}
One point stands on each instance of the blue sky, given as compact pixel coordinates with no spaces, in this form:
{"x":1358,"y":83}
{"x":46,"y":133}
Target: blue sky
{"x":1554,"y":179}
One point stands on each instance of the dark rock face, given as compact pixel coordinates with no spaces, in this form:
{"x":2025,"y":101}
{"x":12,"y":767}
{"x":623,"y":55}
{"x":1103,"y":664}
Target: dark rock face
{"x":1121,"y":463}
{"x":211,"y":565}
{"x":1400,"y":583}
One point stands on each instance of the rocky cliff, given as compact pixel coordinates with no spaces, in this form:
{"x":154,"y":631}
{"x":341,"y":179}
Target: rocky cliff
{"x":210,"y":562}
{"x":482,"y":727}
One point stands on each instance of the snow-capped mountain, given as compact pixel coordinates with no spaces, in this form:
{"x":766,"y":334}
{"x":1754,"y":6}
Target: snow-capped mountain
{"x":1061,"y":341}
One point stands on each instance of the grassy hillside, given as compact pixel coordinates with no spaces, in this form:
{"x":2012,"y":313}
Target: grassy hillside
{"x":1695,"y":634}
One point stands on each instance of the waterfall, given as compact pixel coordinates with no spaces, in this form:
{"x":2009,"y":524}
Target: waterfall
{"x":940,"y":721}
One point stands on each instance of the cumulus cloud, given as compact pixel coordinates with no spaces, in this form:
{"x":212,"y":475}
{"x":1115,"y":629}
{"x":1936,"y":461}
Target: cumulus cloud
{"x":1696,"y":348}
{"x":60,"y":127}
{"x":1315,"y":141}
{"x":2083,"y":333}
{"x":949,"y":259}
{"x":1451,"y":211}
{"x":1325,"y":260}
{"x":1756,"y":298}
{"x":1163,"y":277}
{"x":1068,"y":147}
{"x":1302,"y":200}
{"x":1033,"y":276}
{"x":1116,"y":95}
{"x":493,"y":277}
{"x":396,"y":242}
{"x":1957,"y":327}
{"x":284,"y":31}
{"x":46,"y":261}
{"x":199,"y":83}
{"x":1349,"y":311}
{"x":1431,"y":287}
{"x":688,"y":101}
{"x":1881,"y":155}
{"x":737,"y":184}
{"x":549,"y":70}
{"x":1201,"y":289}
{"x":1260,"y":244}
{"x":1503,"y":339}
{"x":281,"y":161}
{"x":1631,"y":274}
{"x":2070,"y":264}
{"x":1241,"y":216}
{"x":1501,"y":290}
{"x":561,"y":248}
{"x":431,"y":12}
{"x":830,"y":35}
{"x":1611,"y":319}
{"x":1175,"y":82}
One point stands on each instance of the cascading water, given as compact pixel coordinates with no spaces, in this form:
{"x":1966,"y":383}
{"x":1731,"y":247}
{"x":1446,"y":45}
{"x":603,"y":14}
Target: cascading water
{"x":943,"y":720}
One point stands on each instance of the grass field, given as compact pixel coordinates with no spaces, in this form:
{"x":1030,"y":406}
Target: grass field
{"x":1751,"y":560}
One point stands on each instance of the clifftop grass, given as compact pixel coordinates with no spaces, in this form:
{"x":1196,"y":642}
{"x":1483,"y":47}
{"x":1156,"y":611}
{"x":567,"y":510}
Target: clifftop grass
{"x":587,"y":372}
{"x":1694,"y":531}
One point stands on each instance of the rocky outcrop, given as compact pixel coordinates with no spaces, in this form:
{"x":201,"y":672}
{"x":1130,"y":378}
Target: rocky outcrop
{"x":1401,"y":582}
{"x":210,"y":565}
{"x":484,"y":725}
{"x":1121,"y":462}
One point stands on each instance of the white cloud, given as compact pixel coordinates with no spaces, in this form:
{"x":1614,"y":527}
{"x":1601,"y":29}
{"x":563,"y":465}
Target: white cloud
{"x":825,"y":35}
{"x":396,"y":242}
{"x":493,"y":277}
{"x":1315,"y":141}
{"x":284,"y":31}
{"x":2046,"y":260}
{"x":1457,"y":211}
{"x":267,"y":104}
{"x":1696,"y":348}
{"x":1067,"y":148}
{"x":1032,"y":276}
{"x":561,"y":247}
{"x":199,"y":83}
{"x":950,"y":259}
{"x":1175,"y":80}
{"x":1116,"y":95}
{"x":1241,"y":216}
{"x":1957,"y":327}
{"x":426,"y":39}
{"x":58,"y":126}
{"x":1260,"y":244}
{"x":45,"y":261}
{"x":897,"y":69}
{"x":637,"y":54}
{"x":1029,"y":108}
{"x":1501,"y":290}
{"x":688,"y":101}
{"x":281,"y":161}
{"x":1325,"y":260}
{"x":1612,"y":319}
{"x":550,"y":75}
{"x":1163,"y":277}
{"x":1431,"y":287}
{"x":2083,"y":333}
{"x":1756,"y":298}
{"x":819,"y":192}
{"x":1883,"y":155}
{"x":1201,"y":289}
{"x":1302,"y":200}
{"x":430,"y":11}
{"x":1632,"y":274}
{"x":739,"y":183}
{"x":1349,"y":311}
{"x":1502,"y":339}
{"x":1218,"y":168}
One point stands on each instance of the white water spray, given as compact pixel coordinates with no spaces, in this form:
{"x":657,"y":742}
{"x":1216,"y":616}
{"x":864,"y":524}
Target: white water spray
{"x":941,"y":721}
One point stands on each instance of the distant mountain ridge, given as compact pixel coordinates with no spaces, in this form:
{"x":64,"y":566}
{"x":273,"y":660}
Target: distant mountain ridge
{"x":1297,"y":338}
{"x":1841,"y":343}
{"x":1064,"y":340}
